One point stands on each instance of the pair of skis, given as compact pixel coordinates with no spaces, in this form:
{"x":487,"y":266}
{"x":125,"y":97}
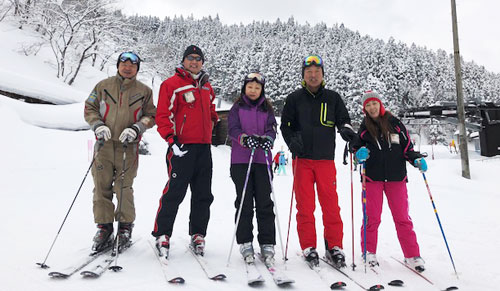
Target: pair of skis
{"x":106,"y":257}
{"x":423,"y":276}
{"x":172,"y":276}
{"x":255,"y":278}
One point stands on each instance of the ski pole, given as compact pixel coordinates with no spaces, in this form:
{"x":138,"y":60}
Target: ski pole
{"x":439,"y":222}
{"x":241,"y":205}
{"x":100,"y":143}
{"x":116,"y":250}
{"x":295,"y":162}
{"x":275,"y":205}
{"x":365,"y":218}
{"x":352,"y":216}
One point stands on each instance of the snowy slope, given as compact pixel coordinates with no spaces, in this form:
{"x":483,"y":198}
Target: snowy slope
{"x":43,"y":167}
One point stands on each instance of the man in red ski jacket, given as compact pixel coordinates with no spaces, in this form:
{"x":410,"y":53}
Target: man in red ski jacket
{"x":185,"y":118}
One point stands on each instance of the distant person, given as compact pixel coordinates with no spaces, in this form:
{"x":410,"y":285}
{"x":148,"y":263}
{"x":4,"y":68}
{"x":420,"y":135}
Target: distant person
{"x":119,"y":110}
{"x":276,"y":161}
{"x":384,"y":146}
{"x":252,"y":127}
{"x":308,"y":123}
{"x":186,"y":116}
{"x":453,"y":146}
{"x":282,"y":162}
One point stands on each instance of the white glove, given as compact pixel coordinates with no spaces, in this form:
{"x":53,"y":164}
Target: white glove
{"x":103,"y":132}
{"x":128,"y":134}
{"x":177,"y":151}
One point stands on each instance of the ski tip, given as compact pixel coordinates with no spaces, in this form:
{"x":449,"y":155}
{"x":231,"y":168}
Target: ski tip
{"x":115,"y":268}
{"x":397,"y":282}
{"x":218,"y":277}
{"x":285,"y":283}
{"x":451,"y":288}
{"x":256,"y":283}
{"x":57,"y":275}
{"x":338,"y":285}
{"x":43,"y":265}
{"x":376,"y":287}
{"x":177,"y":280}
{"x":88,"y":274}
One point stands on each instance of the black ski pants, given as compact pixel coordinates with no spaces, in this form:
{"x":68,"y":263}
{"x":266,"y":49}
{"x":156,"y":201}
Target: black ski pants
{"x":258,"y":190}
{"x":194,"y":169}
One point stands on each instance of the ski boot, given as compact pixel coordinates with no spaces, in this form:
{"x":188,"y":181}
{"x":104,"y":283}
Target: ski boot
{"x":267,"y":253}
{"x":162,"y":245}
{"x":311,"y":256}
{"x":124,"y":235}
{"x":416,"y":263}
{"x":371,"y":259}
{"x":246,"y":250}
{"x":198,"y":244}
{"x":336,"y":256}
{"x":103,"y":238}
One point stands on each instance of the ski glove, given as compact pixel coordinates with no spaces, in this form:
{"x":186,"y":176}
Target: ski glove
{"x":421,"y":164}
{"x":103,"y":132}
{"x":129,"y":134}
{"x":362,"y":154}
{"x":177,"y":148}
{"x":347,"y":133}
{"x":266,"y":143}
{"x":251,"y":142}
{"x":296,"y":145}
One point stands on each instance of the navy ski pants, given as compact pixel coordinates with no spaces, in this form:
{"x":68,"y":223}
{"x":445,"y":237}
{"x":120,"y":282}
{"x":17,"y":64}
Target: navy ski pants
{"x":194,"y":169}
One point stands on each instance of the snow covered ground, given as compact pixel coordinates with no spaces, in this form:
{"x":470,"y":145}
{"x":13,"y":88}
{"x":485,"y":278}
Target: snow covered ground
{"x":42,"y":167}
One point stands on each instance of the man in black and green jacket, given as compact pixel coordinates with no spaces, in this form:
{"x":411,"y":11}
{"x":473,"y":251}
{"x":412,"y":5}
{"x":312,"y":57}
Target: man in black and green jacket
{"x":308,"y":123}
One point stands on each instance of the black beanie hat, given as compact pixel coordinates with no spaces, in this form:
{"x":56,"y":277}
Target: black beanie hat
{"x":192,"y":49}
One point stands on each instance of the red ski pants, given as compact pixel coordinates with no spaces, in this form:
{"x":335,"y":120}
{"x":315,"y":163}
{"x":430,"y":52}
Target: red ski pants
{"x":397,"y":198}
{"x":323,"y":174}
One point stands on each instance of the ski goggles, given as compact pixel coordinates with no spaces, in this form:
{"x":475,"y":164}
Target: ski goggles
{"x":192,"y":58}
{"x":129,"y":56}
{"x":313,"y":60}
{"x":255,"y":77}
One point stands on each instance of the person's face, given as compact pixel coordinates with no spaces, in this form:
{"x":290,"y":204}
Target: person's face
{"x":193,"y":63}
{"x":372,"y":108}
{"x":127,"y":69}
{"x":313,"y":75}
{"x":253,"y":90}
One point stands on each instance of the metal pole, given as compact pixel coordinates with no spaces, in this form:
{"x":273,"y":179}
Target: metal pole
{"x":460,"y":98}
{"x":241,"y":206}
{"x":100,"y":143}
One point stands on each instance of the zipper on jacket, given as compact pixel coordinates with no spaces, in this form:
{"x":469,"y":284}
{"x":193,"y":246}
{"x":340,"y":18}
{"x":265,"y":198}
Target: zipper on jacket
{"x":182,"y":125}
{"x":109,"y":95}
{"x":140,"y":99}
{"x":323,"y":116}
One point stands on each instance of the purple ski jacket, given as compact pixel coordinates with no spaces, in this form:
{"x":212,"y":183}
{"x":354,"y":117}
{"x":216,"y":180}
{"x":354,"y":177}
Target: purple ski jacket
{"x":245,"y":119}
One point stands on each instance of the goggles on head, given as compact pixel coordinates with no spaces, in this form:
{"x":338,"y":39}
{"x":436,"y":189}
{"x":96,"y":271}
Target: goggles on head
{"x":255,"y":77}
{"x":192,"y":58}
{"x":130,"y":56}
{"x":313,"y":60}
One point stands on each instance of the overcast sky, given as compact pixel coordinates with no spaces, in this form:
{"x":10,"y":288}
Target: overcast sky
{"x":424,"y":22}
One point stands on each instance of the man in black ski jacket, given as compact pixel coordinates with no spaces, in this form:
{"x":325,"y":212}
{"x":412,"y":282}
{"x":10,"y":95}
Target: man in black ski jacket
{"x":308,"y":123}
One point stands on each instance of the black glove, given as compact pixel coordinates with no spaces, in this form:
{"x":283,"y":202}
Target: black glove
{"x":347,"y":133}
{"x":251,"y":142}
{"x":296,"y":145}
{"x":266,"y":143}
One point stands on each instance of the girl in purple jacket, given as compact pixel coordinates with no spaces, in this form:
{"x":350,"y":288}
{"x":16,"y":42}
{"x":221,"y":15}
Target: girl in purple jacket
{"x":252,"y":127}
